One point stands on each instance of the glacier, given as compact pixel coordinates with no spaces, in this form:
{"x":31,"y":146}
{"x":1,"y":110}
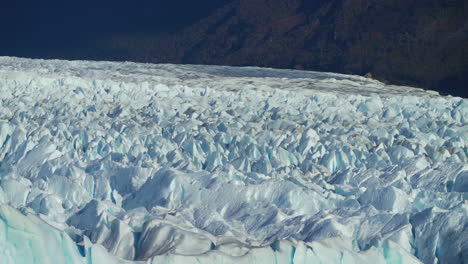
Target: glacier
{"x":120,"y":162}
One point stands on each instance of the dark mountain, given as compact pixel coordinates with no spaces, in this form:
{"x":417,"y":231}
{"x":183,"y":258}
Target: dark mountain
{"x":422,"y":43}
{"x":71,"y":29}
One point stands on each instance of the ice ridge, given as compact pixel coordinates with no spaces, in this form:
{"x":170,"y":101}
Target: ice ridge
{"x":142,"y":163}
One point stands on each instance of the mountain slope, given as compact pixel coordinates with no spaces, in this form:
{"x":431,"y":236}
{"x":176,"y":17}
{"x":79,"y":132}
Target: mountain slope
{"x":418,"y":43}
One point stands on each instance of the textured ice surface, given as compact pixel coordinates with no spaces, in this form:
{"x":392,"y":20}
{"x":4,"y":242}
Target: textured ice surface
{"x":141,"y":163}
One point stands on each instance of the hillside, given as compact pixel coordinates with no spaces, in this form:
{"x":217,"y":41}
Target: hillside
{"x":417,"y":43}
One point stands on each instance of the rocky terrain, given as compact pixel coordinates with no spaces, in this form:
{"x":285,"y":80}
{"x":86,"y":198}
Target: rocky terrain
{"x":417,"y":43}
{"x":414,"y":43}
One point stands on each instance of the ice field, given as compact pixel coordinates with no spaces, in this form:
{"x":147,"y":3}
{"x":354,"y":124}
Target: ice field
{"x":112,"y":162}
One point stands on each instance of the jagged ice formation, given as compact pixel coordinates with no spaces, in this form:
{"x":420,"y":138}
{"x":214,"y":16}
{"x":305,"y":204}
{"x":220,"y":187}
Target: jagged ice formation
{"x":137,"y":163}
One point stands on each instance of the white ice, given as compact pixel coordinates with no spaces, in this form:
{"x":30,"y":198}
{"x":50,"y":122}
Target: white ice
{"x":140,"y":163}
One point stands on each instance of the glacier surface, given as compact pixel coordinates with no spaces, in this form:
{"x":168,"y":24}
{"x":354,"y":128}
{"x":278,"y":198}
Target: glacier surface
{"x":106,"y":162}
